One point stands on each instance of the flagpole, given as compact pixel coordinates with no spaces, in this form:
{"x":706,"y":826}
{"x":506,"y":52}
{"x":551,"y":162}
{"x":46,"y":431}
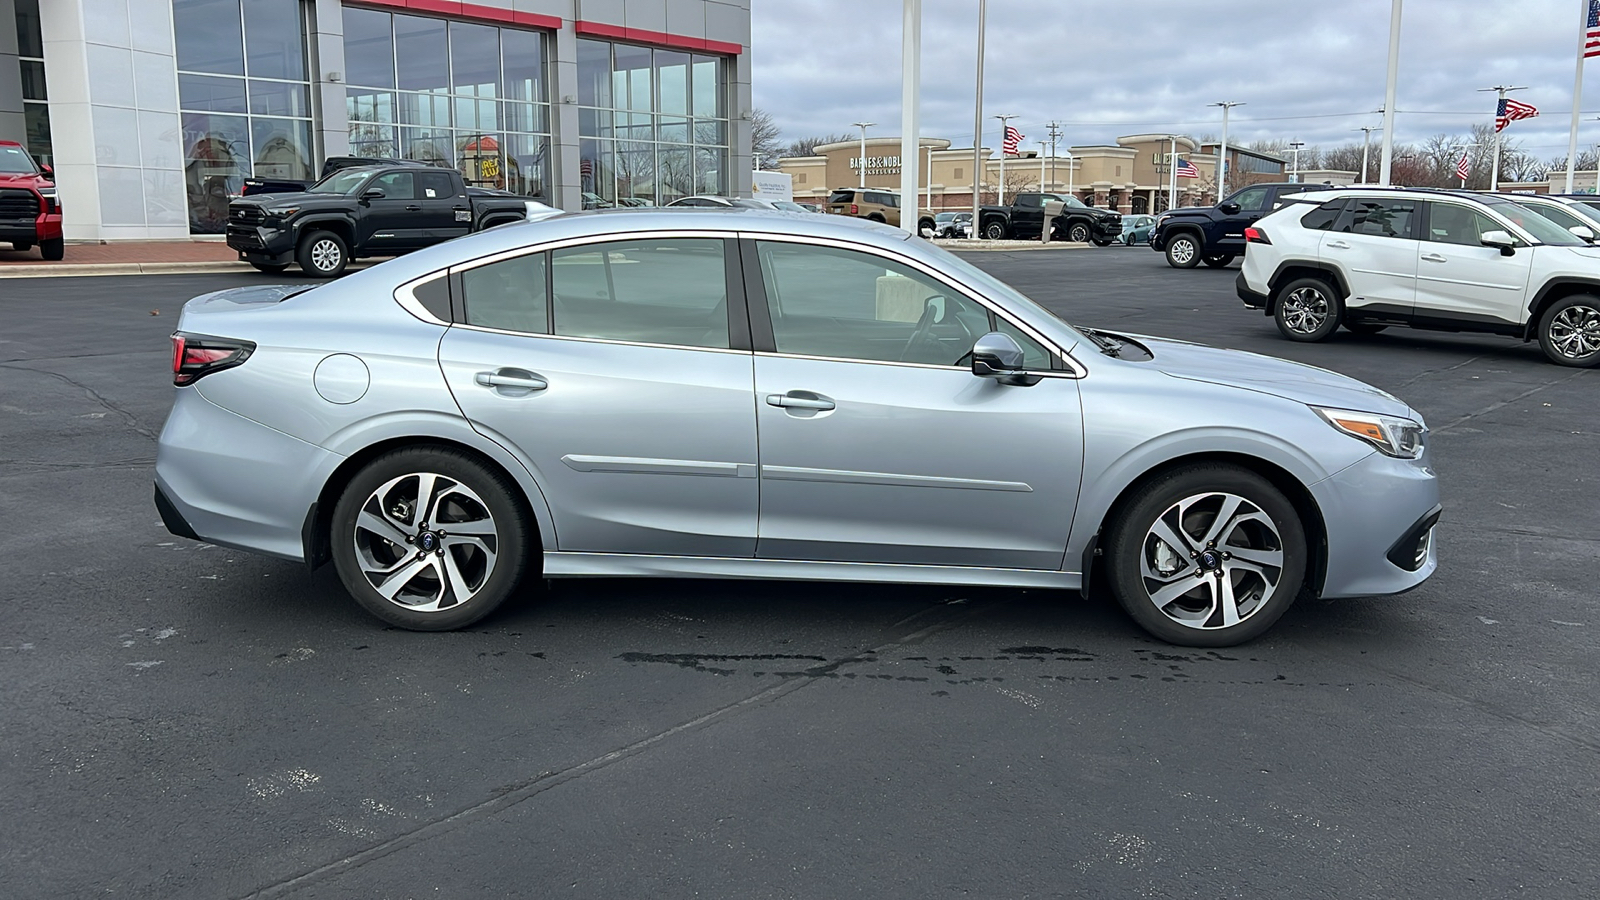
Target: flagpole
{"x":1577,"y":91}
{"x":1500,"y":91}
{"x":977,"y":129}
{"x":910,"y":127}
{"x":1172,"y":173}
{"x":1386,"y":157}
{"x":1004,"y":136}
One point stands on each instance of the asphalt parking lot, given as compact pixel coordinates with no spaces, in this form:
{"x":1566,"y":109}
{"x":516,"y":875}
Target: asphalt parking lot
{"x":181,"y":720}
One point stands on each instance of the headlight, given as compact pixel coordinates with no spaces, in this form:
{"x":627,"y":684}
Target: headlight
{"x":282,"y":212}
{"x":1392,"y":435}
{"x":48,"y":192}
{"x":1159,"y":220}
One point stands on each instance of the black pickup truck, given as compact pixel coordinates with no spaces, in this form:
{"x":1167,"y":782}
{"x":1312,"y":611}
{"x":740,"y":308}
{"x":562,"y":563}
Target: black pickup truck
{"x":1024,"y":217}
{"x":1215,"y":234}
{"x":364,"y":211}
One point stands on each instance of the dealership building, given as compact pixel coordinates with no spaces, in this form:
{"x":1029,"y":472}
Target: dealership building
{"x":154,"y":112}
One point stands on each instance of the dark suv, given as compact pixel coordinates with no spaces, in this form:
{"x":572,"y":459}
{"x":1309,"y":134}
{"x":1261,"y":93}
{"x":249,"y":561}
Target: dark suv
{"x":1215,"y":234}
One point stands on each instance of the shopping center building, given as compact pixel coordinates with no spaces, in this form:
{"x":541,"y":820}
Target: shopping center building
{"x":153,"y":112}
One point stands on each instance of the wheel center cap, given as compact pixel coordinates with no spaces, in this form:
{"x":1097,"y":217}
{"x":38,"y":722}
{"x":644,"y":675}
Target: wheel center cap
{"x":1210,"y":559}
{"x":427,"y":541}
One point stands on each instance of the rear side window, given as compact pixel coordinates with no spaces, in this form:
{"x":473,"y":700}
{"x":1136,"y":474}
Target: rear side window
{"x":1384,"y":218}
{"x":508,"y":295}
{"x":667,"y":291}
{"x":1323,"y":217}
{"x":434,"y":186}
{"x":842,"y":197}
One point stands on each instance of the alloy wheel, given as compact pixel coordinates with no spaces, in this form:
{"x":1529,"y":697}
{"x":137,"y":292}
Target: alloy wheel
{"x":1211,"y":561}
{"x":1305,"y":310}
{"x":426,"y":542}
{"x":1183,"y":251}
{"x":325,"y":255}
{"x":1575,"y":332}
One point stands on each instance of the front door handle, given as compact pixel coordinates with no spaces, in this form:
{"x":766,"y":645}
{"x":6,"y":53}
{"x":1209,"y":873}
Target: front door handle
{"x":791,"y":402}
{"x":500,"y":379}
{"x":1433,"y":257}
{"x":1337,"y":245}
{"x":413,"y":207}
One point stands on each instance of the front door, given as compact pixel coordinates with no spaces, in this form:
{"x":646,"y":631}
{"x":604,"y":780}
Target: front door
{"x":1252,"y":204}
{"x":1373,"y":243}
{"x":877,"y":442}
{"x":1459,"y":278}
{"x":395,"y":220}
{"x":619,"y":389}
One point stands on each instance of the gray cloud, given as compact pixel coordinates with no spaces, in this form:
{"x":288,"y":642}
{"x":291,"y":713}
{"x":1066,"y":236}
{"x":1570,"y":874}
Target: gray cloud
{"x":1308,"y":71}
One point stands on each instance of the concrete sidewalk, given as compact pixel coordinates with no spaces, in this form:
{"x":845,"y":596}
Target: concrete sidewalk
{"x":125,"y":258}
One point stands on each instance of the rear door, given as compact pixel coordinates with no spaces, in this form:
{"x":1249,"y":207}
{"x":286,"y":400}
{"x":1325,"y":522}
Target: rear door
{"x":615,"y":371}
{"x":1027,"y":214}
{"x":445,"y":212}
{"x":1460,"y":279}
{"x":1374,"y":244}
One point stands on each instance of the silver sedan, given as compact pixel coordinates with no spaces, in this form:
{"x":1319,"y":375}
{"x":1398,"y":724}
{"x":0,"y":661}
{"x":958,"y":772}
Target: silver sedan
{"x":738,"y":393}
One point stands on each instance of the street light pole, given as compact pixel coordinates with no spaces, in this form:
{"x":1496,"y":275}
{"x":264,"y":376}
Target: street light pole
{"x":1072,"y":175}
{"x":910,"y":94}
{"x":1294,"y":174}
{"x":1003,"y":120}
{"x":1042,"y":188}
{"x":1366,"y":145}
{"x":863,"y":161}
{"x":1222,"y":155}
{"x":1386,"y":160}
{"x":977,"y":126}
{"x":1172,"y":172}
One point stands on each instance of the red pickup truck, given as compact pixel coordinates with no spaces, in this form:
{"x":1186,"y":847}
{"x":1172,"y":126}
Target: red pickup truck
{"x":30,"y":213}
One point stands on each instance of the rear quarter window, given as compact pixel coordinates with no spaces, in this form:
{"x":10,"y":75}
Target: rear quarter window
{"x":1323,"y":217}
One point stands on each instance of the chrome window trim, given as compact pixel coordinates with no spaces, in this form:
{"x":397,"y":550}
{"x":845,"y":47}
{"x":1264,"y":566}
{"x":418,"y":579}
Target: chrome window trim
{"x":405,"y":296}
{"x":594,"y":340}
{"x":1074,"y":367}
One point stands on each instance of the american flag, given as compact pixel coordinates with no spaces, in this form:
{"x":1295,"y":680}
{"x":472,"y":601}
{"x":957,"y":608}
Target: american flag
{"x":1591,"y":34}
{"x":1462,"y":169}
{"x":1014,"y":137}
{"x":1186,"y":169}
{"x":1509,"y":111}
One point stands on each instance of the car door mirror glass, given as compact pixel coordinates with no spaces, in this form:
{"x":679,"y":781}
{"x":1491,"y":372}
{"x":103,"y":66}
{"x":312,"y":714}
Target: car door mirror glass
{"x":1500,"y":239}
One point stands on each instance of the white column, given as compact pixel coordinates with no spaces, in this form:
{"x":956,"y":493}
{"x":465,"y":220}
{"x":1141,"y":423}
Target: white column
{"x":1494,"y":172}
{"x":563,"y":162}
{"x":1387,"y":158}
{"x":325,"y":27}
{"x":910,"y":88}
{"x":1577,"y":92}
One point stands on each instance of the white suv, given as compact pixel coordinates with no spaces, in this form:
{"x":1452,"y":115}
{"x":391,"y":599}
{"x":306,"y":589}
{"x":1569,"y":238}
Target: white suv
{"x":1443,"y":260}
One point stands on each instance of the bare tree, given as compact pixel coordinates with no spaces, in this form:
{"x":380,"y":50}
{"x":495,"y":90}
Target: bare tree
{"x":807,"y":146}
{"x":1344,"y":158}
{"x":764,"y":134}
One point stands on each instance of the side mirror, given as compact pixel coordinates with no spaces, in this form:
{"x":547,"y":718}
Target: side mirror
{"x":1500,"y":239}
{"x":1229,"y":208}
{"x":47,"y":172}
{"x":997,"y":355}
{"x":373,"y":194}
{"x":1583,"y":231}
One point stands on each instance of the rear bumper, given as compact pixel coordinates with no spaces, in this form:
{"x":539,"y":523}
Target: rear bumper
{"x":1377,"y":513}
{"x":1252,"y":299}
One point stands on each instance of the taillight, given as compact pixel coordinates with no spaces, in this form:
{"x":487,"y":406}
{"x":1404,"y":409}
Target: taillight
{"x":1254,"y":235}
{"x":855,"y":210}
{"x":197,"y":355}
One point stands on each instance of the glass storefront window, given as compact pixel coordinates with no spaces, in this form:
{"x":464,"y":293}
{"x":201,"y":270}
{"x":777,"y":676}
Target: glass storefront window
{"x":244,"y":94}
{"x":451,"y":107}
{"x":35,"y":111}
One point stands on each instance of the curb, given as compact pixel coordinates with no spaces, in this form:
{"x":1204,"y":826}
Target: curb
{"x":71,"y":270}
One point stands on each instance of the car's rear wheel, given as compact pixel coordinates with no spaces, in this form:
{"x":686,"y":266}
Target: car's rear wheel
{"x":1219,"y":261}
{"x":1569,"y":331}
{"x":995,"y":231}
{"x":1207,"y":556}
{"x":430,"y":539}
{"x":54,"y":249}
{"x":323,"y":254}
{"x":1307,"y":309}
{"x":1183,"y":251}
{"x":1360,"y":327}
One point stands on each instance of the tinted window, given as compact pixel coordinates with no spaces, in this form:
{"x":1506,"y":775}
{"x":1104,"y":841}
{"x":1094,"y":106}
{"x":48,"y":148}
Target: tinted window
{"x":842,"y":197}
{"x":1323,"y":217}
{"x":1452,"y":224}
{"x":669,"y":291}
{"x":850,"y":305}
{"x":1250,"y":198}
{"x":435,"y":297}
{"x":509,"y":295}
{"x":395,"y":186}
{"x":1385,"y":218}
{"x":435,"y":186}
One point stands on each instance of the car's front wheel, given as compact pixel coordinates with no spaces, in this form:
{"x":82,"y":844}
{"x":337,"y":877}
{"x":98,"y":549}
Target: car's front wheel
{"x":1219,"y":261}
{"x":323,"y":254}
{"x":1183,"y":251}
{"x":1569,"y":331}
{"x":1078,"y":233}
{"x":1102,"y":242}
{"x":430,"y":539}
{"x":1307,"y":309}
{"x":54,"y":249}
{"x":1207,"y":556}
{"x":995,"y":231}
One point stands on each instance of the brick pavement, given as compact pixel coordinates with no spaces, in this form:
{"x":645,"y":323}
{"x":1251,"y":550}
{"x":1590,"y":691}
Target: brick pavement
{"x":126,"y":253}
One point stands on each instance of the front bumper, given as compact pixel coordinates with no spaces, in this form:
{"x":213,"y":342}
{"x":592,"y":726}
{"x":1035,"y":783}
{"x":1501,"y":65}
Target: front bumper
{"x":262,"y":242}
{"x":1377,"y":513}
{"x":45,"y":227}
{"x":1106,"y":229}
{"x":1252,"y":299}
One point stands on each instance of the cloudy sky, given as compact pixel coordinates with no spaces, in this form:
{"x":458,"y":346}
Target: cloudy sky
{"x":1307,"y":70}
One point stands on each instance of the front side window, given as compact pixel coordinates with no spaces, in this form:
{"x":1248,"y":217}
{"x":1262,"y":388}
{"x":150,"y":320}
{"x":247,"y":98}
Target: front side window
{"x":1250,"y":198}
{"x":1384,"y":218}
{"x":845,"y":304}
{"x":668,"y":291}
{"x":1449,"y":223}
{"x":395,"y":186}
{"x":508,"y":295}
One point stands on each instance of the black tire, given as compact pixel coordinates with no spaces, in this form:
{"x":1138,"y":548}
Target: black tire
{"x":1078,"y":233}
{"x":995,"y":230}
{"x":269,"y":268}
{"x":1360,"y":327}
{"x":1102,"y":242}
{"x":1219,"y":261}
{"x":54,"y":249}
{"x":1307,"y":310}
{"x":323,"y":254}
{"x":23,"y":246}
{"x":1136,"y":565}
{"x":1183,"y":251}
{"x":877,"y":218}
{"x":512,"y":534}
{"x":1569,"y":331}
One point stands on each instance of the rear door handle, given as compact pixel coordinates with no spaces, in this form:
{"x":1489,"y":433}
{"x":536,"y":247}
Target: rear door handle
{"x":789,"y":402}
{"x":497,"y":379}
{"x":1433,"y":257}
{"x":1337,"y":245}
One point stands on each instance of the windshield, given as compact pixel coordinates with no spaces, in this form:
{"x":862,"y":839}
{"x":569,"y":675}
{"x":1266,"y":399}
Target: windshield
{"x":1590,"y":206}
{"x":342,"y":182}
{"x":786,"y":206}
{"x":15,"y":161}
{"x":1542,"y":229}
{"x":945,"y":217}
{"x":1073,"y":202}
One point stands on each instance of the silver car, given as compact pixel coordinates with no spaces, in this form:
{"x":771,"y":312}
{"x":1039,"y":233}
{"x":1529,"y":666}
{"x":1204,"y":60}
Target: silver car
{"x":749,"y":394}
